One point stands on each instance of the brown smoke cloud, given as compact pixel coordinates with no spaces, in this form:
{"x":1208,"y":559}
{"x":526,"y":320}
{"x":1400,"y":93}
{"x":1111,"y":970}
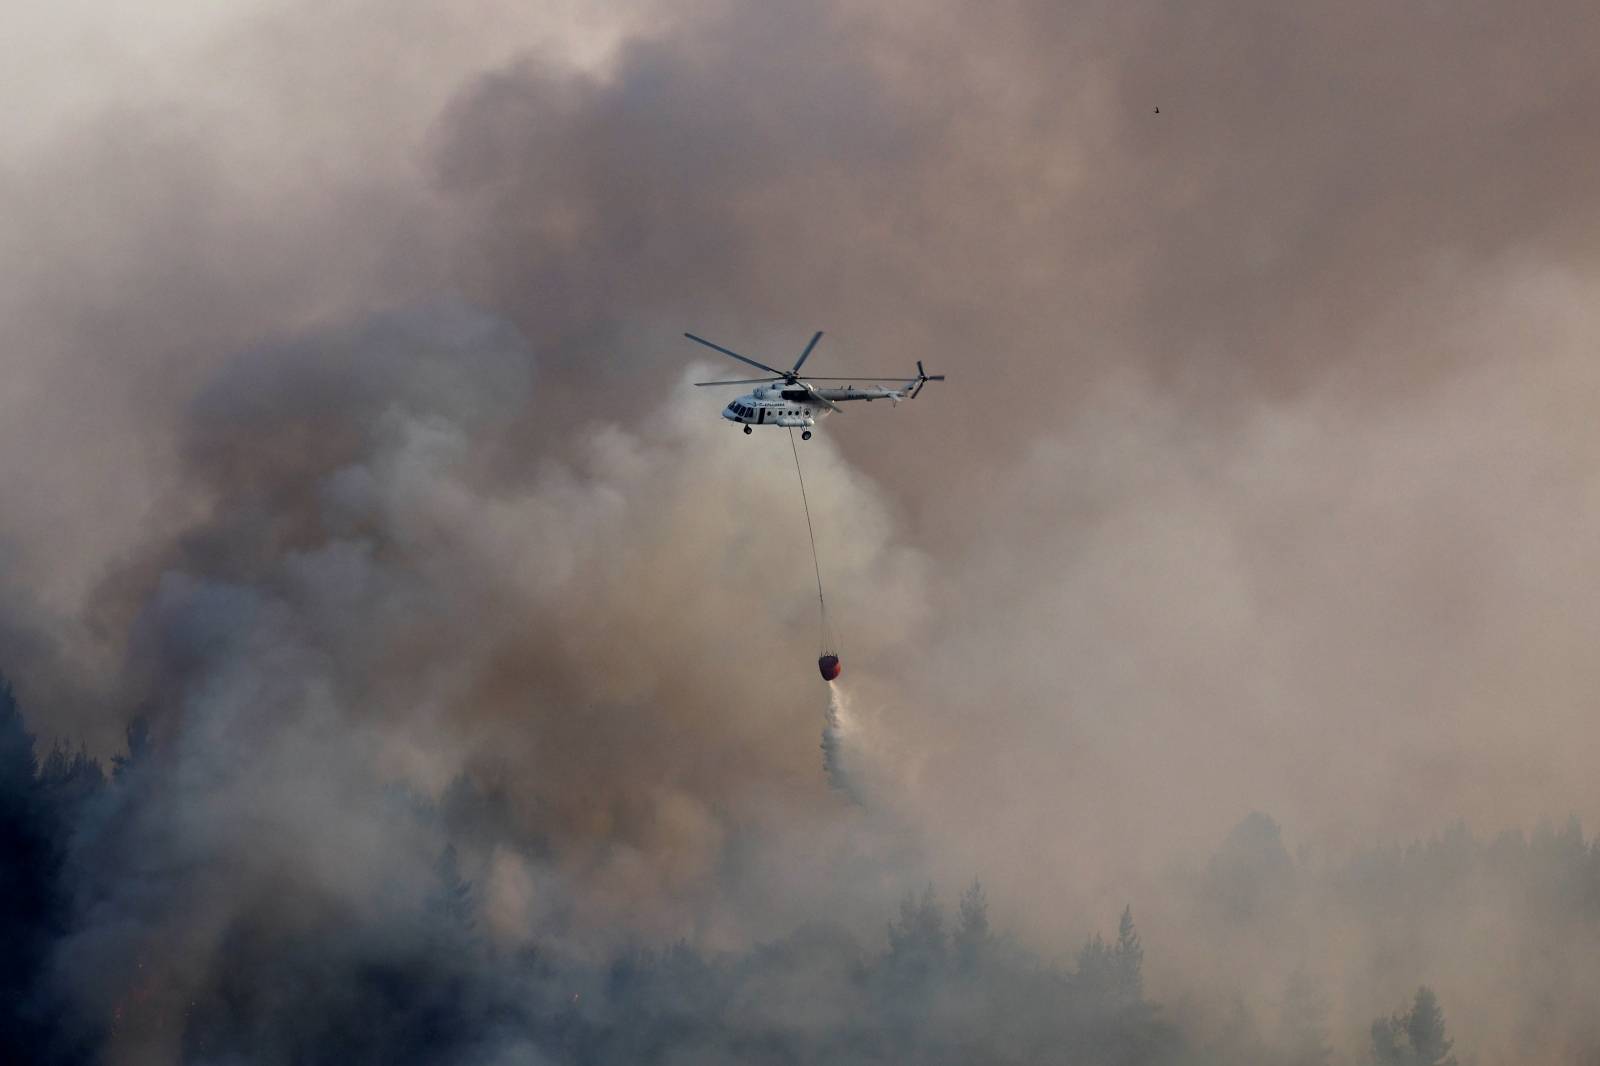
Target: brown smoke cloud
{"x":345,"y":414}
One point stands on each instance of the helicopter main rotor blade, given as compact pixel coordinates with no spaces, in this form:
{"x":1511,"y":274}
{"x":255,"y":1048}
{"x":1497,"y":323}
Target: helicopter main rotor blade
{"x":741,"y":381}
{"x":807,"y":353}
{"x":815,"y":395}
{"x":736,"y":355}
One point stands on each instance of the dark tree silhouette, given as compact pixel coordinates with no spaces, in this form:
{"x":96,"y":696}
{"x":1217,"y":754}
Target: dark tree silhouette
{"x":25,"y":878}
{"x":38,"y":806}
{"x":18,"y":763}
{"x":917,"y":939}
{"x":1251,"y":873}
{"x":972,"y":935}
{"x":1415,"y":1037}
{"x":1388,"y":1046}
{"x":1095,"y":976}
{"x":67,"y":783}
{"x":1425,"y":1031}
{"x":138,"y":737}
{"x":1127,"y":962}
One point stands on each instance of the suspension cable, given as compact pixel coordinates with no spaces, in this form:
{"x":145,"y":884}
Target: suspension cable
{"x":809,"y":531}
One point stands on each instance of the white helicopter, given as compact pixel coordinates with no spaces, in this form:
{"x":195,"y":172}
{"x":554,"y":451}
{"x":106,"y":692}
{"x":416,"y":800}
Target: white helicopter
{"x":797,"y":404}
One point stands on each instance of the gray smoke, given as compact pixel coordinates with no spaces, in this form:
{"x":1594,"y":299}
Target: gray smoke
{"x":347,"y":439}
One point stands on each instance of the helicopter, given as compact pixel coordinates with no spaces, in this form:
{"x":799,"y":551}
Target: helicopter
{"x":786,"y":401}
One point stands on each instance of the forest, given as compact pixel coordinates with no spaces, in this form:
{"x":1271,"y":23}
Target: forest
{"x":412,"y":976}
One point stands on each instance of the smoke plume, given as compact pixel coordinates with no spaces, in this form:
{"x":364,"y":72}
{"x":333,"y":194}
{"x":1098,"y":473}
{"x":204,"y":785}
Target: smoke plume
{"x":354,"y":495}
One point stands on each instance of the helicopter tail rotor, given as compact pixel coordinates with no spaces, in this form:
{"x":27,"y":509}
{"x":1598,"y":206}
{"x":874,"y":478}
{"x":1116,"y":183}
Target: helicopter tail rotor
{"x":923,"y":377}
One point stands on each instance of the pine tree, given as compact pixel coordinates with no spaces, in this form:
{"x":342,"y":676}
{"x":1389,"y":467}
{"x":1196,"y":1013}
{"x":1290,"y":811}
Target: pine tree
{"x":972,"y":927}
{"x":1386,"y":1047}
{"x":67,"y":783}
{"x":1251,"y":874}
{"x":18,"y":764}
{"x":1415,"y":1037}
{"x":138,"y":734}
{"x":1425,"y":1031}
{"x":1127,"y":961}
{"x":917,"y":940}
{"x":1094,"y":975}
{"x":27,"y":874}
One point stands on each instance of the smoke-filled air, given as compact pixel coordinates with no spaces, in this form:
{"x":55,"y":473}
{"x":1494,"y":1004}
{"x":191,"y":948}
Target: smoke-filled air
{"x":405,"y":662}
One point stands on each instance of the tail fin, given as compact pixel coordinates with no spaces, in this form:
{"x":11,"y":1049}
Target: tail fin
{"x":922,"y":378}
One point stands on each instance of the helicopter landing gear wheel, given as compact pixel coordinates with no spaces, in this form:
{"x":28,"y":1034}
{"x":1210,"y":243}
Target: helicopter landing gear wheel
{"x":806,"y":435}
{"x":748,"y":430}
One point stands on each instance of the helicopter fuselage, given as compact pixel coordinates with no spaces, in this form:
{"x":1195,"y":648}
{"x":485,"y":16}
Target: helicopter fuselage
{"x":794,"y":408}
{"x":768,"y":406}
